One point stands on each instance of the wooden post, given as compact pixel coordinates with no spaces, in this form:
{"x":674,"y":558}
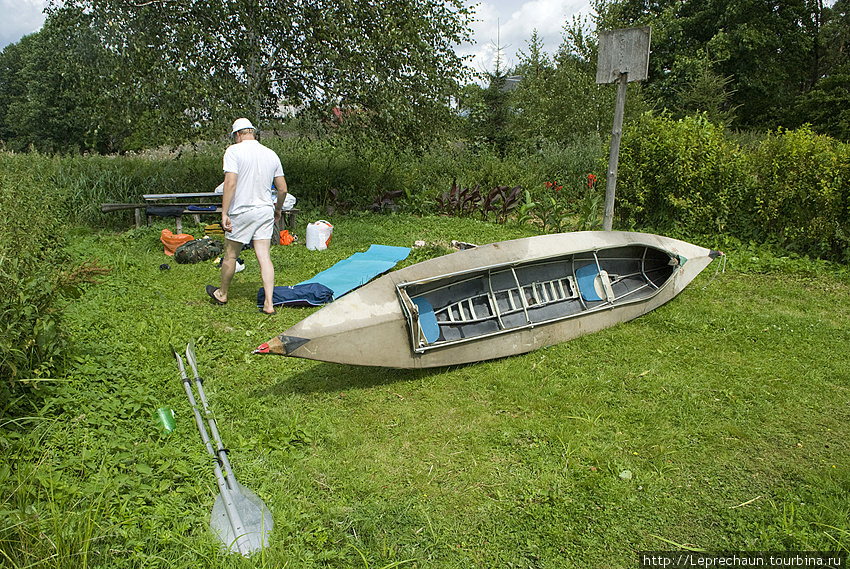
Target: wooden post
{"x":623,"y":57}
{"x":613,"y":158}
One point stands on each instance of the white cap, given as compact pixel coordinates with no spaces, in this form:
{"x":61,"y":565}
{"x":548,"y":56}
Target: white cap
{"x":241,"y":124}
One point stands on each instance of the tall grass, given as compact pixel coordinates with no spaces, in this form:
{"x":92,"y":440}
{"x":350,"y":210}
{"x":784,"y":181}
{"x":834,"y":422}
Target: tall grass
{"x":31,"y":250}
{"x":74,"y":187}
{"x":84,"y":182}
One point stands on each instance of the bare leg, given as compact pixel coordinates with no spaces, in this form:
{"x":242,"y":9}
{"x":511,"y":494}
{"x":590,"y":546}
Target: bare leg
{"x":228,"y":267}
{"x":262,"y":247}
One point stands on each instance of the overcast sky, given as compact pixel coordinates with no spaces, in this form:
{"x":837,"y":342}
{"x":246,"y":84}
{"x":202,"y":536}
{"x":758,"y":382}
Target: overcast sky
{"x":19,"y":18}
{"x":508,"y":23}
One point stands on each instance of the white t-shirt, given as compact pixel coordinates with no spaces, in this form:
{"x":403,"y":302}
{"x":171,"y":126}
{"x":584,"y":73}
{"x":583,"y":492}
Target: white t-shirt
{"x":256,"y":166}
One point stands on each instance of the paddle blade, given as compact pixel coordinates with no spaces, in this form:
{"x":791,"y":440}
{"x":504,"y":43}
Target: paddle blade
{"x":256,"y":518}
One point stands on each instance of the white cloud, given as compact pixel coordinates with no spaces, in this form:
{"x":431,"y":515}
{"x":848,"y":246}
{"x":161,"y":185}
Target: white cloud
{"x":509,"y":24}
{"x":20,"y":18}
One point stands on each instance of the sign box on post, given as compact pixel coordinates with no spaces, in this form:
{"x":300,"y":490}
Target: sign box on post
{"x":623,"y":51}
{"x":623,"y":57}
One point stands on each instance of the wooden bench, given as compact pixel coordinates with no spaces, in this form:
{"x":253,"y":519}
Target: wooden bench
{"x":288,"y":218}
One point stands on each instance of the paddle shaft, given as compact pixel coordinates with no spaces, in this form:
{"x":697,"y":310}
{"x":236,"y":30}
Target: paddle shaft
{"x":242,"y":542}
{"x":221,"y":451}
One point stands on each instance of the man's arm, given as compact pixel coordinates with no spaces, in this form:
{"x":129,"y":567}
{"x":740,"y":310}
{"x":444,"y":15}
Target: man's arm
{"x":280,"y":186}
{"x":227,"y":199}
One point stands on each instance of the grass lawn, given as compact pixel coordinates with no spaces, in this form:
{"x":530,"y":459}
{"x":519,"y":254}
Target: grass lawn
{"x":718,"y":422}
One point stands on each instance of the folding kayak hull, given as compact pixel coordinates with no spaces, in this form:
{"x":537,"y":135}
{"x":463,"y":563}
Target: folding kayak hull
{"x":497,"y":300}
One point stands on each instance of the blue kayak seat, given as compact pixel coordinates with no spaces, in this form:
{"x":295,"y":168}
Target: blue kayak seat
{"x":427,"y":319}
{"x":586,"y":278}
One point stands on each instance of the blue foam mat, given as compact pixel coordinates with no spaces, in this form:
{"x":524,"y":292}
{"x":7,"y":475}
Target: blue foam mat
{"x":341,"y":278}
{"x":360,"y":268}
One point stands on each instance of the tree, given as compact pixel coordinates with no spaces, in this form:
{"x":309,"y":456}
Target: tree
{"x":762,"y":45}
{"x":560,"y":100}
{"x":55,"y":89}
{"x":488,"y":110}
{"x":532,"y":97}
{"x":745,"y":60}
{"x":827,"y":105}
{"x":198,"y":63}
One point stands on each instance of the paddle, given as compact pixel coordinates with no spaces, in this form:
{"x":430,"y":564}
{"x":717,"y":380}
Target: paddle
{"x":256,"y":517}
{"x":240,"y":520}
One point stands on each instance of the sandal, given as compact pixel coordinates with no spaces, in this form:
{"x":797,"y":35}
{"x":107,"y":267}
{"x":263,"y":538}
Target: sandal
{"x":211,"y":292}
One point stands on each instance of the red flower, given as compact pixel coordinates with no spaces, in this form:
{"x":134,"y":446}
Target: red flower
{"x":591,"y":179}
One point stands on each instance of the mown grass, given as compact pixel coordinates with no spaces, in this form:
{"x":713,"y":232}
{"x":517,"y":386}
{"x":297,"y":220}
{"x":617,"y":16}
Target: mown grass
{"x":717,"y":422}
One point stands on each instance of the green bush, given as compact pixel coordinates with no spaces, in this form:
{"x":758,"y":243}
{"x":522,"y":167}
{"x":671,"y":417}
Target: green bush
{"x":790,"y":188}
{"x":314,"y":168}
{"x":358,"y":175}
{"x":681,"y":174}
{"x":800,"y":195}
{"x":675,"y":177}
{"x":32,"y":343}
{"x":318,"y":172}
{"x":30,"y":256}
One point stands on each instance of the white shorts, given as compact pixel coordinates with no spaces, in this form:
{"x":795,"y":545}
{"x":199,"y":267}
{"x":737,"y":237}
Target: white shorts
{"x":256,"y":223}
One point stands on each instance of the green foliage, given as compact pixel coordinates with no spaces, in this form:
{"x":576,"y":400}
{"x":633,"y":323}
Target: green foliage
{"x":31,"y":342}
{"x":800,"y":193}
{"x":495,"y":115}
{"x":56,"y":90}
{"x":81,"y":183}
{"x":679,"y":174}
{"x":553,"y":209}
{"x":559,"y":101}
{"x":31,"y":230}
{"x":760,"y":65}
{"x":790,"y":188}
{"x":674,"y":175}
{"x":547,"y":102}
{"x":826,"y":106}
{"x":110,"y":76}
{"x":321,"y":174}
{"x":698,"y":89}
{"x":556,"y":210}
{"x":328,"y":172}
{"x":589,"y":218}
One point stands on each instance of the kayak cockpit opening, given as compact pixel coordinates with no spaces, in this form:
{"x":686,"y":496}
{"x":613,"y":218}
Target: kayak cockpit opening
{"x":488,"y":301}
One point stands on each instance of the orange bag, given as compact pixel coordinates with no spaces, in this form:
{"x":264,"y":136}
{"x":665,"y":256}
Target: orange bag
{"x":286,"y":238}
{"x":172,"y":242}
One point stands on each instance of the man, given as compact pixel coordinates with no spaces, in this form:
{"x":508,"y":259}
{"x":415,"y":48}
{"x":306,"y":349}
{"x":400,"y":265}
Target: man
{"x":248,"y":209}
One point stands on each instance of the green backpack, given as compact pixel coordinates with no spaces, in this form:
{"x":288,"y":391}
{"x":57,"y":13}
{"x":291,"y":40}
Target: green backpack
{"x":198,"y":250}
